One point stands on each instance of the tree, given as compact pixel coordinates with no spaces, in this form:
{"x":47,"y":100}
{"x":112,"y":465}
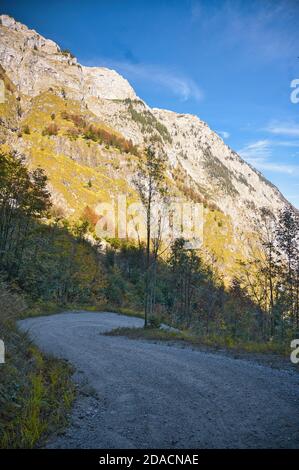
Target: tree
{"x":151,"y":186}
{"x":287,"y":234}
{"x":90,"y":216}
{"x":186,"y":270}
{"x":271,"y":275}
{"x":23,"y":198}
{"x":270,"y":267}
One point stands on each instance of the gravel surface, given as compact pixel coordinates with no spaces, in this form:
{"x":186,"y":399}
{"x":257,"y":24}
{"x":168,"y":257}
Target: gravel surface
{"x":140,"y":394}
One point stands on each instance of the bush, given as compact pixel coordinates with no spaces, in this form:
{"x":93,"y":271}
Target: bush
{"x":67,"y":53}
{"x":51,"y":129}
{"x":12,"y":304}
{"x":98,"y":134}
{"x":26,"y":129}
{"x":149,"y":123}
{"x":73,"y":133}
{"x":90,"y":216}
{"x":154,"y":322}
{"x":35,"y":393}
{"x":76,"y":119}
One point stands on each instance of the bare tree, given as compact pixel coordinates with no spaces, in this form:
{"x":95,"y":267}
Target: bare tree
{"x":151,"y":186}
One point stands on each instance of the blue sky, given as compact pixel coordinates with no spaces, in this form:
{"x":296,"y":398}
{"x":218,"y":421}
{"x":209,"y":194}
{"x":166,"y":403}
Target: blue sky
{"x":229,"y":62}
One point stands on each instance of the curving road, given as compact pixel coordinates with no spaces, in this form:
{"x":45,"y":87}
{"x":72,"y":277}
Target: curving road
{"x":141,"y":394}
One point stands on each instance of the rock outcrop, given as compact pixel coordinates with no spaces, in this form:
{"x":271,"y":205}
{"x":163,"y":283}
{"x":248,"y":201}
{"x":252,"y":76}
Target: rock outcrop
{"x":35,"y":64}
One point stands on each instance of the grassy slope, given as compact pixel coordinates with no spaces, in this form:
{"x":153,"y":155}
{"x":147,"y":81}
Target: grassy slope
{"x":36,"y":391}
{"x":68,"y":177}
{"x":213,"y":342}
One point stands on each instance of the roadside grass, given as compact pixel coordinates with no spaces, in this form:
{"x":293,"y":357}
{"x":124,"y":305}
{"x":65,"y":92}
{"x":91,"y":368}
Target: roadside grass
{"x":36,"y":392}
{"x":129,"y":312}
{"x":212,"y":341}
{"x":42,"y":308}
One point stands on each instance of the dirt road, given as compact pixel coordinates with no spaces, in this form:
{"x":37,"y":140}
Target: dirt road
{"x":140,"y":394}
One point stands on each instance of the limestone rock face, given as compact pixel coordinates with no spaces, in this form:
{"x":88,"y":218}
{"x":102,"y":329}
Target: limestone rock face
{"x":198,"y":155}
{"x":221,"y":174}
{"x":100,"y":82}
{"x":35,"y":64}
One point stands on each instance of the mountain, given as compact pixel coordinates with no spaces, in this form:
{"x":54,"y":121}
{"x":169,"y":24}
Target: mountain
{"x":50,"y":102}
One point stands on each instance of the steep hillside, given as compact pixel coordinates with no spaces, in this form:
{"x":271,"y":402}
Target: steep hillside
{"x":84,"y":126}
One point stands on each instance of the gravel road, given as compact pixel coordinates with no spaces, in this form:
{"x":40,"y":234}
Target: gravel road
{"x":141,"y":394}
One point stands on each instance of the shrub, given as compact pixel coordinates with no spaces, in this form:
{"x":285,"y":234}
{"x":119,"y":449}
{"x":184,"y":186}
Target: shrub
{"x":12,"y":305}
{"x":98,"y":134}
{"x":73,"y":133}
{"x":67,"y":52}
{"x":76,"y":119}
{"x":148,"y":122}
{"x":90,"y":216}
{"x":154,"y":322}
{"x":51,"y":129}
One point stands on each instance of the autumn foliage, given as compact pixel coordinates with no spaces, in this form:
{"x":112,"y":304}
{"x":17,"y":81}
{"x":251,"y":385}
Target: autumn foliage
{"x":90,"y":216}
{"x":98,"y":134}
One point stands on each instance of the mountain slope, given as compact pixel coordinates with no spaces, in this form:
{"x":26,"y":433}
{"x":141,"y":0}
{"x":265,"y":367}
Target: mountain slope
{"x":47,"y":87}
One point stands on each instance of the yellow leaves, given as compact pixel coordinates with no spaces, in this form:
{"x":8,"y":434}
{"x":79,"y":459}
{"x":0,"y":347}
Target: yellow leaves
{"x":222,"y":241}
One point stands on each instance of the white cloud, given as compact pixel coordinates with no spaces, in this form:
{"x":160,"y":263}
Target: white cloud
{"x":288,"y":143}
{"x":289,"y":129}
{"x":276,"y":168}
{"x":259,"y":154}
{"x":224,"y":134}
{"x":256,"y":150}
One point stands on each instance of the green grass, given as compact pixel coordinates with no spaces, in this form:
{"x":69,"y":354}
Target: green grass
{"x":149,"y":333}
{"x":129,"y":312}
{"x":213,"y":341}
{"x":42,"y":308}
{"x":36,"y":391}
{"x":36,"y":395}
